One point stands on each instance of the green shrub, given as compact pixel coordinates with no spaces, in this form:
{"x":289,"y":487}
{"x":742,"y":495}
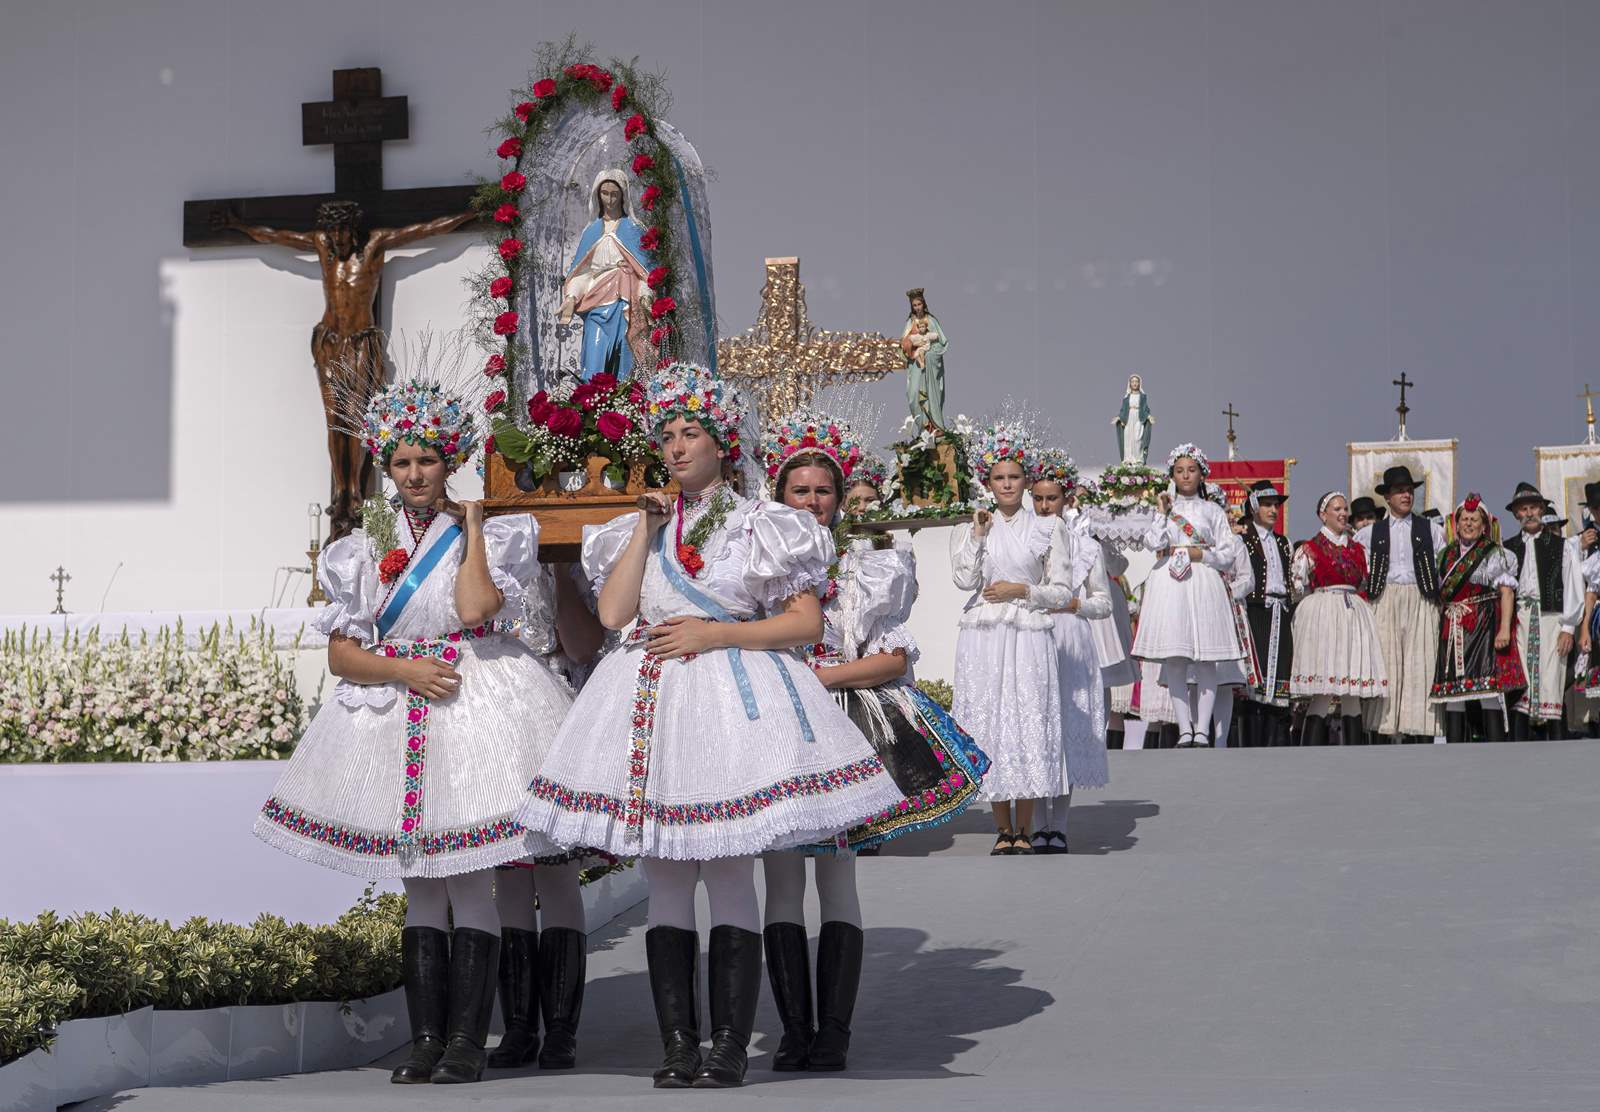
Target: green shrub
{"x":939,"y":691}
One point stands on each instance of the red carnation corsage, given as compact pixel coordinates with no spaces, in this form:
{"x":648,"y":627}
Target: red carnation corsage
{"x":392,"y":564}
{"x":689,"y":557}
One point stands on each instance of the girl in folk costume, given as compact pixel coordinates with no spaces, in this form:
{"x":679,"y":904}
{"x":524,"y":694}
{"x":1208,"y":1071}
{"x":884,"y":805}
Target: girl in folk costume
{"x":1186,"y":622}
{"x":702,"y":741}
{"x":415,"y":769}
{"x":1337,"y":653}
{"x":1477,"y":658}
{"x":1008,"y":682}
{"x":1081,"y":682}
{"x":865,"y":658}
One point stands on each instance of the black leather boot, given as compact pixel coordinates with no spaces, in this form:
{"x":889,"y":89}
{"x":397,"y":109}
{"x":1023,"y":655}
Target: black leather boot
{"x":733,"y":982}
{"x":1456,"y":730}
{"x":789,"y":974}
{"x":519,"y":999}
{"x":563,"y":965}
{"x":425,"y":964}
{"x":474,"y":964}
{"x":1354,"y":734}
{"x":672,"y":954}
{"x":839,"y":947}
{"x":1521,"y":727}
{"x":1494,"y":724}
{"x":1315,"y":731}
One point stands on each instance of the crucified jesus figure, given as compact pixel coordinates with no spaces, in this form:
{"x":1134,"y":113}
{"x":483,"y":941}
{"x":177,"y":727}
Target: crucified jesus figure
{"x":346,"y":345}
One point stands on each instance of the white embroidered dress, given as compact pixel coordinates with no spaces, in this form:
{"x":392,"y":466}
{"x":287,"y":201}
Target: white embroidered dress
{"x":388,"y":783}
{"x":1187,"y":611}
{"x":1082,"y":678}
{"x":667,"y":758}
{"x":1008,"y":679}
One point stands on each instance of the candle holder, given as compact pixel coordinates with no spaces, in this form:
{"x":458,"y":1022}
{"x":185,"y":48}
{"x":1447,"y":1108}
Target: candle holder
{"x":314,"y":553}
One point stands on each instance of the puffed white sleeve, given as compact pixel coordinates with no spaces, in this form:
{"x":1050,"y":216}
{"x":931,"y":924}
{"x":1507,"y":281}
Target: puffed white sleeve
{"x":789,"y":554}
{"x":966,"y":557}
{"x":349,"y":577}
{"x":1224,"y":552}
{"x":1056,"y":590}
{"x":1571,"y":585}
{"x":1242,"y":577}
{"x":1300,"y":572}
{"x":1095,"y":600}
{"x":511,"y":544}
{"x":1155,"y":535}
{"x":603,"y":546}
{"x":1498,"y":569}
{"x":1590,"y":571}
{"x":891,"y":638}
{"x":886,"y":586}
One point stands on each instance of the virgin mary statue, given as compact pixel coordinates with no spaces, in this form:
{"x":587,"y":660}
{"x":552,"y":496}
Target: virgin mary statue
{"x":1133,"y":424}
{"x":607,"y":284}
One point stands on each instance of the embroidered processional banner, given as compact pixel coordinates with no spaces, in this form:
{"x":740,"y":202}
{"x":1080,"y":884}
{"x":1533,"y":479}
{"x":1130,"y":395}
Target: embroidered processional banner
{"x":1234,"y":477}
{"x":1562,"y":471}
{"x":1431,"y":461}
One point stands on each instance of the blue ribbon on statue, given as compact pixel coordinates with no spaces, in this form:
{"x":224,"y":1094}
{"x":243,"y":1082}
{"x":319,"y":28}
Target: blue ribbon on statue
{"x":699,"y":266}
{"x":716,"y":613}
{"x":414,"y":576}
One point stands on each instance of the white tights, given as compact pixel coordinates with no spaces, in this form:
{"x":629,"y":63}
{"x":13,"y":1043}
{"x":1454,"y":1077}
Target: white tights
{"x":467,"y":899}
{"x":730,"y":888}
{"x":1192,"y":703}
{"x":1055,"y":812}
{"x":786,"y":888}
{"x":560,"y":903}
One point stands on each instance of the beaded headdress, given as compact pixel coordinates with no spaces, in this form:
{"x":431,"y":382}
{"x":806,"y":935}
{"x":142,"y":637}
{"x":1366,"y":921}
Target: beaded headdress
{"x":690,"y":391}
{"x":872,"y":470}
{"x":429,"y":404}
{"x":1007,"y":438}
{"x":1057,"y":466}
{"x":1193,"y":452}
{"x":806,"y":431}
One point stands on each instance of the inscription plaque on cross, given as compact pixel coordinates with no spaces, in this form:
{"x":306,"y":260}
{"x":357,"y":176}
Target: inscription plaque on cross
{"x":350,"y":232}
{"x":785,"y":359}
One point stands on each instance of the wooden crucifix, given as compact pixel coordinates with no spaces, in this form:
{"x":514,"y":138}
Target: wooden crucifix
{"x":1230,"y":413}
{"x":350,"y":231}
{"x":785,"y":359}
{"x":1402,"y":408}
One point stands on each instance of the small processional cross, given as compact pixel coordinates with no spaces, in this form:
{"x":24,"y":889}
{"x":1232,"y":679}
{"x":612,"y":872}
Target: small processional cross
{"x":1402,"y":408}
{"x":1588,"y":397}
{"x":1230,"y":413}
{"x":60,"y":578}
{"x":786,"y":359}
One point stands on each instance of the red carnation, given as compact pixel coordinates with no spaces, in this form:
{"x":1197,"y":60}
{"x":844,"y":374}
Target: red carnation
{"x":545,"y":87}
{"x":495,"y":366}
{"x":648,"y":199}
{"x":600,"y":79}
{"x":651,"y":237}
{"x":506,"y":214}
{"x":494,"y":401}
{"x":619,"y":97}
{"x":689,"y":557}
{"x":510,"y":248}
{"x":511,"y":148}
{"x":634,"y":128}
{"x":524,"y":110}
{"x":658,"y":277}
{"x":642,"y":162}
{"x":658,"y":334}
{"x":565,"y":422}
{"x":488,"y":447}
{"x":540,"y":408}
{"x":661,"y":306}
{"x":393,"y":563}
{"x":506,"y":323}
{"x":613,"y":425}
{"x":578,"y":70}
{"x":513,"y":182}
{"x":500,"y":287}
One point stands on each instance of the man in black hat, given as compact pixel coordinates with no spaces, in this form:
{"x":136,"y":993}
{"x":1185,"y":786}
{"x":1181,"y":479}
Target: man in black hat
{"x":1363,"y":512}
{"x":1549,"y":608}
{"x":1403,"y":585}
{"x":1264,"y":718}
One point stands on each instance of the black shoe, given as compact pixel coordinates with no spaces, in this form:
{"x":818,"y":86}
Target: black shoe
{"x":1456,"y":729}
{"x":1494,"y":724}
{"x":789,"y":974}
{"x":1353,"y":732}
{"x":1004,"y":844}
{"x":839,"y":947}
{"x":1315,"y":731}
{"x":425,"y":964}
{"x":1021,"y":845}
{"x":1049,"y":841}
{"x":563,"y":965}
{"x":672,"y":955}
{"x":733,"y":982}
{"x":474,"y":964}
{"x":519,"y":999}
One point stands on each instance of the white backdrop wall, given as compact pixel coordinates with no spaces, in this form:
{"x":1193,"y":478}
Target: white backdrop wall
{"x":1278,"y":203}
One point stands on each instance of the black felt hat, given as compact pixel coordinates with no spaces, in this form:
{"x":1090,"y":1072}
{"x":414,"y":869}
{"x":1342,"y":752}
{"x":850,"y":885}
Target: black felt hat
{"x":1265,"y":490}
{"x":1363,"y":505}
{"x":1396,"y":476}
{"x":1526,"y":492}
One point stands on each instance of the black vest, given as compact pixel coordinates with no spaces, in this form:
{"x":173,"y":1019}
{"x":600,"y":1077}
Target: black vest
{"x":1423,"y":561}
{"x":1258,"y":562}
{"x":1548,"y":547}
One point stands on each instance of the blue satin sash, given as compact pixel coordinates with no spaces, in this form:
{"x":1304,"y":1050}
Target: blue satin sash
{"x":415,"y":575}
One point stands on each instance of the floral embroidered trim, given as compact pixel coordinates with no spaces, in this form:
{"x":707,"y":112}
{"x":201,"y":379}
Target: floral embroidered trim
{"x":725,"y":810}
{"x":644,"y":728}
{"x":372,"y":844}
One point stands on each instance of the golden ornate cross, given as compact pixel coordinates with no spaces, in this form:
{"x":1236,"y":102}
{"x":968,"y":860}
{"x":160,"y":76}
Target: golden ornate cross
{"x":1588,"y":397}
{"x":785,"y":359}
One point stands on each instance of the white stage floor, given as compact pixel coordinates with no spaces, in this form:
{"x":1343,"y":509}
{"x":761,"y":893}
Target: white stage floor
{"x":1408,"y":929}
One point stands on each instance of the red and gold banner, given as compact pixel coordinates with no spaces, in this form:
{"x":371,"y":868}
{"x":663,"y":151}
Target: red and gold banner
{"x":1235,"y":476}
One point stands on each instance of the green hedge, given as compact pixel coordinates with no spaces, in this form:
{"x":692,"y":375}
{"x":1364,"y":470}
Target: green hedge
{"x":939,"y":691}
{"x":54,"y":969}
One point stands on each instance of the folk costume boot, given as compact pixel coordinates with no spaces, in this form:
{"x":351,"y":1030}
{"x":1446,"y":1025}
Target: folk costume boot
{"x":1315,"y":731}
{"x":1354,"y":734}
{"x":1494,"y":724}
{"x":425,"y":964}
{"x":733,"y":981}
{"x":519,"y":999}
{"x":672,"y":954}
{"x":1456,"y":730}
{"x":474,"y":965}
{"x":563,"y":965}
{"x":839,"y":949}
{"x":789,"y":974}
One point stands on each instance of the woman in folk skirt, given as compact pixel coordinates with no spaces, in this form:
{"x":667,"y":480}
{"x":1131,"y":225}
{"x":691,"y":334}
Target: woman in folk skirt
{"x":1477,"y":660}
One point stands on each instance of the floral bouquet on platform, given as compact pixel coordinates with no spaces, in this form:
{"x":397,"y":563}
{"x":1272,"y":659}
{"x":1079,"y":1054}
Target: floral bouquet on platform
{"x":1121,"y":502}
{"x":931,"y":467}
{"x":578,"y":422}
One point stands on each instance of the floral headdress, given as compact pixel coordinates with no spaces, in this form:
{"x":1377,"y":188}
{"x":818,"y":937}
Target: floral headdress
{"x":1193,"y":452}
{"x":1001,"y":440}
{"x":803,"y":432}
{"x":872,"y":470}
{"x":691,"y":391}
{"x":429,"y":404}
{"x":1056,"y":465}
{"x":1473,"y":503}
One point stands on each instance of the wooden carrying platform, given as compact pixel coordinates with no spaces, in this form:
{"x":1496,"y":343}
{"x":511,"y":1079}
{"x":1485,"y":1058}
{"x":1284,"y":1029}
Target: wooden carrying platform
{"x":562,"y":514}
